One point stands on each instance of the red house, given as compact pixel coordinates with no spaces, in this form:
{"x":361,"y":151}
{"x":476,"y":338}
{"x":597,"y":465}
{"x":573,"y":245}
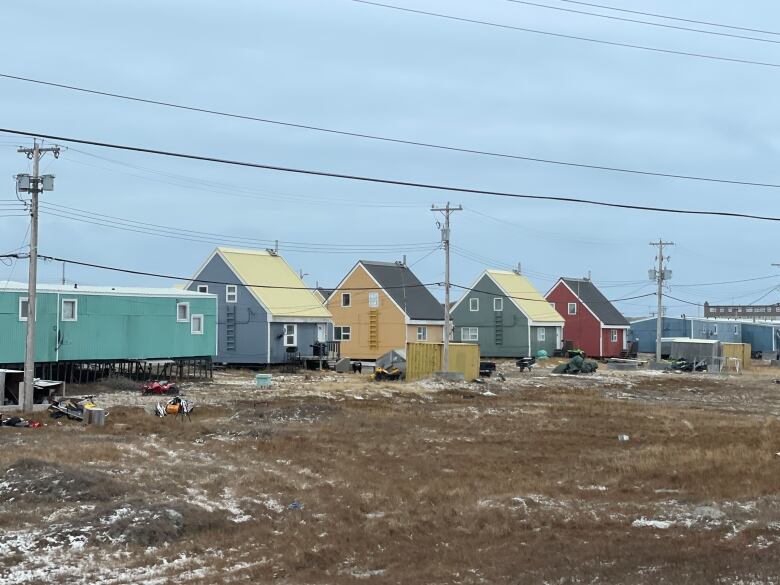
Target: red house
{"x":593,"y":324}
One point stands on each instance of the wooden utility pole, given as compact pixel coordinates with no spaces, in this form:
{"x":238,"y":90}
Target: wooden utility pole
{"x":660,"y":276}
{"x":33,"y":184}
{"x":445,"y":238}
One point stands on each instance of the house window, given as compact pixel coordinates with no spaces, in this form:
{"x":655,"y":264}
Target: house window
{"x":422,"y":334}
{"x":290,"y":335}
{"x":714,"y":329}
{"x":736,"y":330}
{"x":373,"y":300}
{"x":196,"y":325}
{"x":553,"y":306}
{"x":70,"y":310}
{"x":182,"y":312}
{"x":24,"y":308}
{"x":231,"y":293}
{"x":469,"y":334}
{"x":749,"y":310}
{"x":473,"y":304}
{"x":541,"y":334}
{"x":498,"y":305}
{"x":342,"y":333}
{"x":203,"y":288}
{"x":613,"y":336}
{"x":572,"y":308}
{"x":346,"y":300}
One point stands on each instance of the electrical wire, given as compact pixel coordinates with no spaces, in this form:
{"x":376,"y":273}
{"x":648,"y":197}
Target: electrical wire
{"x":666,"y":17}
{"x":645,"y":22}
{"x":211,"y":237}
{"x":394,"y":182}
{"x":571,"y":37}
{"x":422,"y":144}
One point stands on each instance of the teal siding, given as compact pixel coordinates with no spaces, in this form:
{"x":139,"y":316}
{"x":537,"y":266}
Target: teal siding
{"x":109,"y":327}
{"x":501,"y":334}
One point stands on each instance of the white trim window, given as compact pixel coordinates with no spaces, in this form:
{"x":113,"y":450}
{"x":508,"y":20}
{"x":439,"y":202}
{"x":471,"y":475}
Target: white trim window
{"x":736,"y":330}
{"x":541,"y":334}
{"x":24,"y":308}
{"x":474,"y":305}
{"x":290,"y":335}
{"x":196,"y":325}
{"x":553,"y":306}
{"x":613,"y":335}
{"x":572,"y":308}
{"x":231,"y":293}
{"x":182,"y":312}
{"x":70,"y":310}
{"x":715,"y":329}
{"x":346,"y":299}
{"x":469,"y":333}
{"x":343,"y":333}
{"x":498,"y":304}
{"x":203,"y":288}
{"x":422,"y":333}
{"x":373,"y":300}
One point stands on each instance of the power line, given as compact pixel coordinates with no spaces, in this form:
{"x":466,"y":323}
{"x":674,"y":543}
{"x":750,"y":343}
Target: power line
{"x":729,"y":281}
{"x":395,"y":182}
{"x":212,"y":237}
{"x":571,"y":37}
{"x":191,"y":279}
{"x":379,"y":138}
{"x":646,"y":22}
{"x":666,"y":17}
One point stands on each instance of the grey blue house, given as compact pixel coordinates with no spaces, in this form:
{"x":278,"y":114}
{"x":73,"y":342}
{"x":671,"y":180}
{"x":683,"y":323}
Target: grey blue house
{"x":265,"y":312}
{"x":762,"y":337}
{"x":506,"y":316}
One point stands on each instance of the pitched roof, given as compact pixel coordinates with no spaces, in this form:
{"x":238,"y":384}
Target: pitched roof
{"x":525,"y":296}
{"x":75,"y":289}
{"x":591,"y":296}
{"x":293,"y":299}
{"x":406,"y":290}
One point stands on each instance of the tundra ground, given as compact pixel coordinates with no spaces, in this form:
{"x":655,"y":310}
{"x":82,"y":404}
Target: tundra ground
{"x":330,"y":478}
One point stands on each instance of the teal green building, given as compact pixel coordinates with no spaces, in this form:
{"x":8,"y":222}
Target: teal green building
{"x":90,"y":324}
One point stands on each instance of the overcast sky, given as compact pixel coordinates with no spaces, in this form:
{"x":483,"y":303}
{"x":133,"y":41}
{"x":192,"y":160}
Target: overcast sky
{"x":349,"y":66}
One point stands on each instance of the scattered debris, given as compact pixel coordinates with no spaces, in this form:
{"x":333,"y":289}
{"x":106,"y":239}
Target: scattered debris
{"x":526,"y":363}
{"x":19,"y":422}
{"x":75,"y":408}
{"x":623,"y":438}
{"x":159,"y":387}
{"x":577,"y":365}
{"x":176,"y":406}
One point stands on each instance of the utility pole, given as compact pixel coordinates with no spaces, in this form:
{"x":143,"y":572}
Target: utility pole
{"x":445,"y":238}
{"x":660,"y":275}
{"x":34,"y":185}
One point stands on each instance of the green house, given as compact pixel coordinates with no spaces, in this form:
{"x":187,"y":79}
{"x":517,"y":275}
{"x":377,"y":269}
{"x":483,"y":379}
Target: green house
{"x":86,"y":323}
{"x":507,"y":317}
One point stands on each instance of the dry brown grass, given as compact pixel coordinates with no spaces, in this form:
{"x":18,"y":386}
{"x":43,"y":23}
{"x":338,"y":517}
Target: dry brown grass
{"x":525,"y":487}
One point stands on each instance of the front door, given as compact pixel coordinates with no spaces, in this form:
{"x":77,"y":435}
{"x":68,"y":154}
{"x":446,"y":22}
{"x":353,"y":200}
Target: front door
{"x":322,"y":332}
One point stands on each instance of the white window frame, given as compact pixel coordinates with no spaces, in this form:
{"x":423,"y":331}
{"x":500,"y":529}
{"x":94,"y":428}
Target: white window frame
{"x":231,"y":293}
{"x":469,"y":333}
{"x":75,"y":309}
{"x":736,"y":330}
{"x":715,"y":329}
{"x":498,"y":304}
{"x":345,"y":296}
{"x":613,"y":335}
{"x":422,"y":333}
{"x":473,"y":305}
{"x":541,"y":334}
{"x":27,"y":300}
{"x":287,"y":334}
{"x":571,"y":308}
{"x":553,"y":306}
{"x":338,"y":333}
{"x":199,"y":330}
{"x":186,"y":317}
{"x":203,"y":288}
{"x":373,"y":300}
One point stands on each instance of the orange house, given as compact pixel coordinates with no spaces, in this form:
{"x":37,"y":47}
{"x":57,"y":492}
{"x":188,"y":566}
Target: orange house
{"x":379,"y":306}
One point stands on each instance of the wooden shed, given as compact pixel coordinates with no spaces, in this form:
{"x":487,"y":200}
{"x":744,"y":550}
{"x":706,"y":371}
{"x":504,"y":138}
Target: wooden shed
{"x":741,"y":351}
{"x":424,"y":359}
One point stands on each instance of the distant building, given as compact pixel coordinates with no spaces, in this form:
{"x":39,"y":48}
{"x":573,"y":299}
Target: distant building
{"x":505,"y":314}
{"x":593,"y":324}
{"x":380,"y":306}
{"x":266,"y":312}
{"x":754,"y":312}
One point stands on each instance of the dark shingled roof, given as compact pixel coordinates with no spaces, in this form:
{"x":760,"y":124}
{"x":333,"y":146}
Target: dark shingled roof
{"x":406,"y":290}
{"x":325,"y":292}
{"x":596,"y":302}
